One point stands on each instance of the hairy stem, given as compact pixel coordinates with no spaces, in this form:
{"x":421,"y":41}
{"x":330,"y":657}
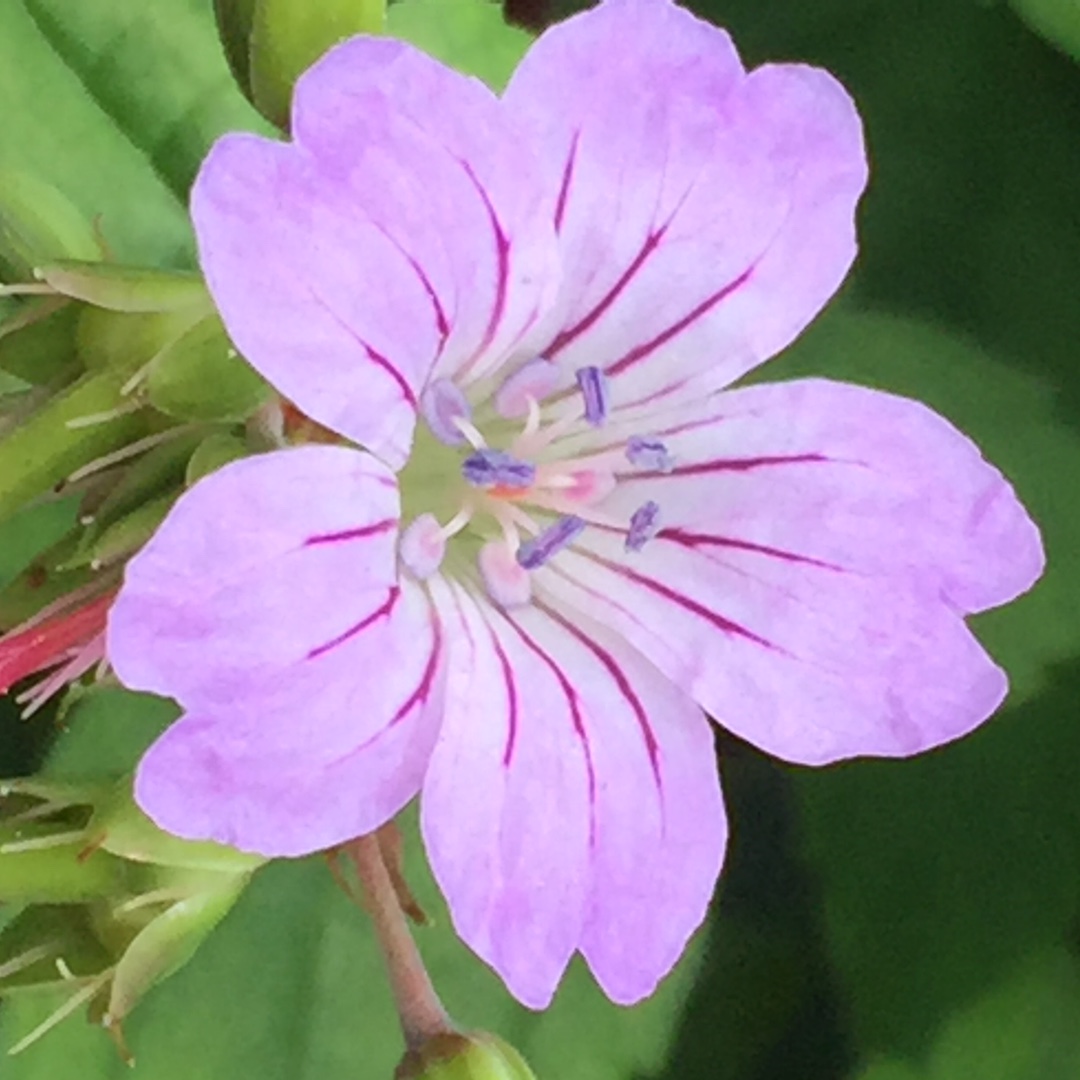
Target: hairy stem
{"x":419,"y":1008}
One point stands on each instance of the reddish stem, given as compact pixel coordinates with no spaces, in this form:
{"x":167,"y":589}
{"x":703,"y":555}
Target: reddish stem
{"x":419,"y":1008}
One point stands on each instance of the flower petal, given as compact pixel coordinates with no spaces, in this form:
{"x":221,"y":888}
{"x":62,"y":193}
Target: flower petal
{"x":261,"y":781}
{"x":821,"y":545}
{"x":268,"y":604}
{"x":704,"y":215}
{"x":505,"y":806}
{"x":585,"y":813}
{"x":272,"y":586}
{"x":384,"y":239}
{"x":658,"y":822}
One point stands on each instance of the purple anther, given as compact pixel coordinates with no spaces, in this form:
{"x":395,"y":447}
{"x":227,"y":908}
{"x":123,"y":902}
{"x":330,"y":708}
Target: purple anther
{"x":551,"y":541}
{"x":593,"y":385}
{"x":497,"y":468}
{"x":648,"y":453}
{"x":535,"y":379}
{"x":644,"y":525}
{"x":441,"y":404}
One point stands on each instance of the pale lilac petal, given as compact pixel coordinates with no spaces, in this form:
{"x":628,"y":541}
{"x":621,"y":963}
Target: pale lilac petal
{"x":704,"y":215}
{"x":387,"y":237}
{"x":269,"y":593}
{"x":230,"y":777}
{"x":658,"y":822}
{"x":292,"y":262}
{"x":505,"y":806}
{"x":821,"y":545}
{"x":450,"y":181}
{"x":572,"y":802}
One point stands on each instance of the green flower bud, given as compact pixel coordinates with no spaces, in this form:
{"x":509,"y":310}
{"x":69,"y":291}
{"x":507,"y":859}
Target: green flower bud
{"x":124,"y":537}
{"x":38,"y":224}
{"x":128,"y":904}
{"x":213,"y":452}
{"x":201,"y":377}
{"x":37,"y":342}
{"x":57,"y":439}
{"x":126,"y":288}
{"x":476,"y":1056}
{"x":161,"y":470}
{"x":270,"y":42}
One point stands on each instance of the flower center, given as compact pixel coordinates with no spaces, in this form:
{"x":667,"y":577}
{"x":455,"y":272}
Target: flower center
{"x":500,"y":512}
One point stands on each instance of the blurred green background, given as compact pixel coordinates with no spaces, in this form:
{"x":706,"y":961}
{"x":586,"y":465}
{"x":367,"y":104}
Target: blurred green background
{"x":914,"y":920}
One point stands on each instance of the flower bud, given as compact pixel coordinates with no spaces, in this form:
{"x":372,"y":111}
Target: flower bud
{"x":476,"y":1056}
{"x":123,"y":537}
{"x":201,"y":377}
{"x":125,"y":288}
{"x":37,"y":343}
{"x":270,"y":42}
{"x":125,"y":905}
{"x":38,"y":224}
{"x":212,"y":453}
{"x":55,"y":440}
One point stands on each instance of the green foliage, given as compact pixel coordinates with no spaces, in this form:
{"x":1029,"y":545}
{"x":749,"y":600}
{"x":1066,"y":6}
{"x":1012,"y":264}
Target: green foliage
{"x":1023,"y":1028}
{"x":470,"y":35}
{"x":1057,"y":20}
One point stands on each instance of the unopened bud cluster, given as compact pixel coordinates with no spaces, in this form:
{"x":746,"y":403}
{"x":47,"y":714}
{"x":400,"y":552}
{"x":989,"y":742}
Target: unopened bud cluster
{"x":110,"y":905}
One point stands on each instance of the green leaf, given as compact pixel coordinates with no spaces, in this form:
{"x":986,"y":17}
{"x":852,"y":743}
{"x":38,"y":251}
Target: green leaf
{"x":470,"y":35}
{"x":1025,"y":1028}
{"x":24,"y":535}
{"x":37,"y":342}
{"x":38,"y":223}
{"x":212,"y":453}
{"x":79,"y":149}
{"x":155,"y":71}
{"x":1057,"y":20}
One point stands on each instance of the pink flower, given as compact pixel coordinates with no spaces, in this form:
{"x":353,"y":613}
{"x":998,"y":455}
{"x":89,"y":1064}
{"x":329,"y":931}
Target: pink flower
{"x":566,"y":540}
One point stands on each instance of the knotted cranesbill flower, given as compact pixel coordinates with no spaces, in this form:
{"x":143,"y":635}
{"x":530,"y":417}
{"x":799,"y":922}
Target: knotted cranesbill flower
{"x":564,"y":540}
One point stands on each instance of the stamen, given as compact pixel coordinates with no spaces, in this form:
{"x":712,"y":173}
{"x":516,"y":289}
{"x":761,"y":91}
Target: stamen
{"x":511,"y":520}
{"x":647,"y":452}
{"x":644,"y":525}
{"x":532,"y":422}
{"x":535,"y":379}
{"x":507,"y":582}
{"x":593,"y":385}
{"x":550,"y":542}
{"x":532,"y":442}
{"x":457,"y":522}
{"x":471,"y":433}
{"x":497,"y":468}
{"x":422,"y":546}
{"x":444,"y":406}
